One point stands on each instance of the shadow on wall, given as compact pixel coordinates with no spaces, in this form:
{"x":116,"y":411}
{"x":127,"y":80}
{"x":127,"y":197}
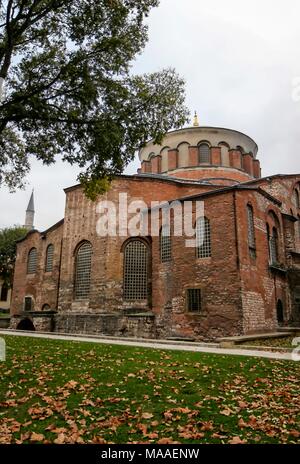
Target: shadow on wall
{"x":26,"y":324}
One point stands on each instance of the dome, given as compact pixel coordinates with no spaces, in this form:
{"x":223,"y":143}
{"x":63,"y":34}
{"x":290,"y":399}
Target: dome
{"x":223,"y":156}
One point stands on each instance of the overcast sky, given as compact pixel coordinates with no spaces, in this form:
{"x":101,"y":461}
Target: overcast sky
{"x":239,"y":60}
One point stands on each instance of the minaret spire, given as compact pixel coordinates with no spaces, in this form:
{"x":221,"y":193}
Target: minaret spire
{"x":29,"y":217}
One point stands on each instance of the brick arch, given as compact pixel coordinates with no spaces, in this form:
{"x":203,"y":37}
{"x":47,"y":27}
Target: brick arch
{"x":26,"y":324}
{"x":79,"y":244}
{"x":273,"y":215}
{"x":46,"y":307}
{"x":204,"y":142}
{"x":145,"y":240}
{"x":241,"y":149}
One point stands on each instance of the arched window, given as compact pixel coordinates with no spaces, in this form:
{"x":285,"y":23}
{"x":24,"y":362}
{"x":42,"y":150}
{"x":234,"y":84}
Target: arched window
{"x":83,"y":271}
{"x":49,"y":258}
{"x":273,"y":245}
{"x":32,"y":261}
{"x":203,"y":241}
{"x":204,"y":153}
{"x":251,"y":232}
{"x":135,"y":271}
{"x":165,"y":244}
{"x":46,"y":307}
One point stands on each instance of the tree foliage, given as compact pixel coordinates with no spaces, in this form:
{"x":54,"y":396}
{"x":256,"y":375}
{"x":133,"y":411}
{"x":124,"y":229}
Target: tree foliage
{"x":69,"y":90}
{"x":8,"y":249}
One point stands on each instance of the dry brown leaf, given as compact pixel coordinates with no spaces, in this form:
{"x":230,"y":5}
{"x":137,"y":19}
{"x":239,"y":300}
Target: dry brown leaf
{"x":236,"y":441}
{"x":36,"y":437}
{"x":147,"y":415}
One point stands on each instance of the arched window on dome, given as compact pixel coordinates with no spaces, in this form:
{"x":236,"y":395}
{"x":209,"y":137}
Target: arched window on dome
{"x":203,"y":238}
{"x":83,"y":265}
{"x":204,"y":153}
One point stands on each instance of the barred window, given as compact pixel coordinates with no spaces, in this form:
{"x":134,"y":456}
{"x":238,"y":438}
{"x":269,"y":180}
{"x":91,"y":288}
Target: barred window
{"x":273,"y":245}
{"x":194,"y":303}
{"x":32,"y":261}
{"x":28,"y":303}
{"x":251,"y":232}
{"x":49,"y":258}
{"x":204,"y":153}
{"x":83,"y":271}
{"x":135,"y":271}
{"x":203,"y":240}
{"x":165,"y":244}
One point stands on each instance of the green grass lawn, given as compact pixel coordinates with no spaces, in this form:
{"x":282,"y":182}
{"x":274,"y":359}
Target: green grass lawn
{"x":53,"y":391}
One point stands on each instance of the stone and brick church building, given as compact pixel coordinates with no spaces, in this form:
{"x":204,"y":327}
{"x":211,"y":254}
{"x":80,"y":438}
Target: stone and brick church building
{"x":244,"y":277}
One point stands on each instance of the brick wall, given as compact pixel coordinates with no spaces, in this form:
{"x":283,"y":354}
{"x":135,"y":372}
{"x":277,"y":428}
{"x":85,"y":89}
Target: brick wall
{"x":41,"y":286}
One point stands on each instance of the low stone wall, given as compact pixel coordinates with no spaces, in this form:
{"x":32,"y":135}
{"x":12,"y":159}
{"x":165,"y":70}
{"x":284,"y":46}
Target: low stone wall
{"x":135,"y":325}
{"x":4,"y":322}
{"x":41,"y":322}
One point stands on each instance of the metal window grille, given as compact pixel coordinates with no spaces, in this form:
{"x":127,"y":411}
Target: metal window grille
{"x":28,"y":306}
{"x":203,"y":239}
{"x":274,"y":247}
{"x":204,"y":153}
{"x":49,"y":258}
{"x":251,"y":232}
{"x":135,"y":271}
{"x":165,"y":244}
{"x":194,"y":300}
{"x":32,"y":261}
{"x":83,"y":271}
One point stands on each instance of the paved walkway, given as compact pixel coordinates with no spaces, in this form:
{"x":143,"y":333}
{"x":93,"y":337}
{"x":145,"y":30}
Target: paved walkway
{"x":155,"y":344}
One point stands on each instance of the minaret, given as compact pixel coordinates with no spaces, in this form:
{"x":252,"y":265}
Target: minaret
{"x":29,"y":218}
